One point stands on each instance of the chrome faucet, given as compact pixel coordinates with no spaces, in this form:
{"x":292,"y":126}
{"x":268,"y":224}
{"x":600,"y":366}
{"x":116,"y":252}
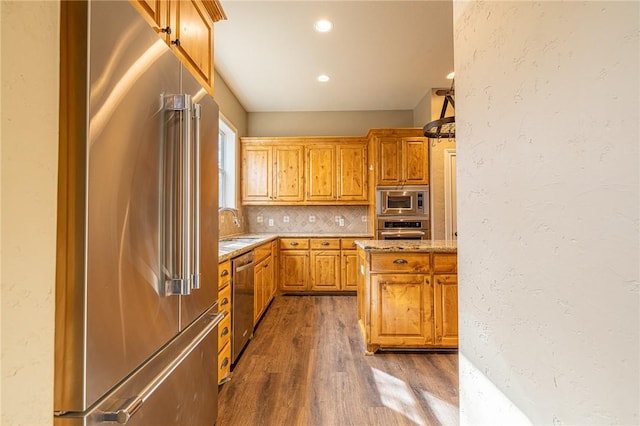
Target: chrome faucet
{"x":236,"y":214}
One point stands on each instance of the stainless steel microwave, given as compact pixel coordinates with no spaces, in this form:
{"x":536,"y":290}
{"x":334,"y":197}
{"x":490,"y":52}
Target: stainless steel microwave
{"x":406,"y":201}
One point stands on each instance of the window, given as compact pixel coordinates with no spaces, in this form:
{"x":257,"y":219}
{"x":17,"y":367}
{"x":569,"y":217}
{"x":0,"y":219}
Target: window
{"x":226,"y":164}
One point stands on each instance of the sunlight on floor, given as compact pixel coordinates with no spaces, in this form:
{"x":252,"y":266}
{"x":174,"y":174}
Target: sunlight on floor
{"x":396,"y":394}
{"x":444,"y":411}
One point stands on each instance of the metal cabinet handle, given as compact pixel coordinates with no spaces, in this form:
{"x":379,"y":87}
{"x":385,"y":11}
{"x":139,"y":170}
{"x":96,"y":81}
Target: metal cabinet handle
{"x":224,"y":363}
{"x":294,"y":243}
{"x":324,"y":243}
{"x":176,"y":178}
{"x":224,"y":273}
{"x":224,"y":301}
{"x":400,"y":262}
{"x":224,"y":331}
{"x":195,"y":197}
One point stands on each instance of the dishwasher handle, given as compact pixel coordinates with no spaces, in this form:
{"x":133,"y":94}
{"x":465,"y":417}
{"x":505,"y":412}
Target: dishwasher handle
{"x":244,"y":267}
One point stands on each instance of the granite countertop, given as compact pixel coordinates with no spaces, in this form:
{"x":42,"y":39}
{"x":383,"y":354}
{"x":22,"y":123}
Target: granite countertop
{"x":232,"y":246}
{"x":420,"y":246}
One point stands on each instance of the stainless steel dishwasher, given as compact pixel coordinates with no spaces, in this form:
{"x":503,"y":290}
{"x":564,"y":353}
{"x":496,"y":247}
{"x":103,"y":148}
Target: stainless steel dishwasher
{"x":242,"y":299}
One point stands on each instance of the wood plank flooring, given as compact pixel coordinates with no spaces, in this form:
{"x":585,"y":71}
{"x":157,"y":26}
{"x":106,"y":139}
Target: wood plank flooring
{"x":306,"y":366}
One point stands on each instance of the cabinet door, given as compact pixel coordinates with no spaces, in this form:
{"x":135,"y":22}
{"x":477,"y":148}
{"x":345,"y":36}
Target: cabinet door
{"x":415,"y":161}
{"x":349,"y":270}
{"x":325,"y":270}
{"x":352,"y":172}
{"x":269,"y":284}
{"x":389,"y":161}
{"x":288,"y":173}
{"x":294,"y":270}
{"x":154,"y":11}
{"x":321,"y":173}
{"x":256,"y":173}
{"x":258,"y":292}
{"x":401,"y":309}
{"x":192,"y":38}
{"x":446,"y":309}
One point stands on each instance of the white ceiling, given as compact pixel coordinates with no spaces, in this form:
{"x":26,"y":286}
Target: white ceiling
{"x":381,"y":55}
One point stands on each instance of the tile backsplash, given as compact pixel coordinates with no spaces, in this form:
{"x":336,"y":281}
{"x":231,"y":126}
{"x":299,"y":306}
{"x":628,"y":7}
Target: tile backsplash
{"x":311,"y":219}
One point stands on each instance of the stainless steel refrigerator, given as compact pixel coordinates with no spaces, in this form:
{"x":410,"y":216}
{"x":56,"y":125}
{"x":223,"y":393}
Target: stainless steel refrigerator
{"x":136,"y":293}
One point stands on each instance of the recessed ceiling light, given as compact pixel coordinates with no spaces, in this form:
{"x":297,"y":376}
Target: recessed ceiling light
{"x":323,"y":78}
{"x":323,"y":26}
{"x":451,"y":75}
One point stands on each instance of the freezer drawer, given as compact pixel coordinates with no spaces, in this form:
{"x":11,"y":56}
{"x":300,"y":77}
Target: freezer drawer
{"x":178,"y":386}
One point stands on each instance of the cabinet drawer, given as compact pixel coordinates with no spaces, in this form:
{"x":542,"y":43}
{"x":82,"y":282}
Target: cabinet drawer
{"x":445,"y":263}
{"x":400,"y":262}
{"x":325,"y":244}
{"x":348,"y":243}
{"x":261,"y":252}
{"x":224,"y":273}
{"x":224,"y":299}
{"x":294,"y":243}
{"x":224,"y":362}
{"x":224,"y":331}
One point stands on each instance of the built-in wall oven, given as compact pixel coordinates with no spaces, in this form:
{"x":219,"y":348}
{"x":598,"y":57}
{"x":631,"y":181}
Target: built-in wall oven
{"x":402,"y":213}
{"x":403,"y":228}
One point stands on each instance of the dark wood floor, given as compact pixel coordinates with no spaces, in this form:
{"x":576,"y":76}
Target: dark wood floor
{"x":306,"y":366}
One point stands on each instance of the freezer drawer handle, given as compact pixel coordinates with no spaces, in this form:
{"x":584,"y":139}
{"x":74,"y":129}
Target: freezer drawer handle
{"x":133,"y":404}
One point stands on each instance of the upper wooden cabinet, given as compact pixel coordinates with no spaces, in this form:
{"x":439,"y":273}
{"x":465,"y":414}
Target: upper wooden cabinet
{"x":337,"y":172}
{"x":272,"y":173}
{"x":402,"y":157}
{"x":352,"y":172}
{"x":186,"y":26}
{"x":288,"y":173}
{"x":304,"y":171}
{"x":321,"y":172}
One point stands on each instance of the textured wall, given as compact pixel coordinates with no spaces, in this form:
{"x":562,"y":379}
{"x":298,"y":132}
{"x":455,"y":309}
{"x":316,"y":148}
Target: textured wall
{"x":230,"y":106}
{"x":30,"y":57}
{"x":327,"y":123}
{"x":548,"y":200}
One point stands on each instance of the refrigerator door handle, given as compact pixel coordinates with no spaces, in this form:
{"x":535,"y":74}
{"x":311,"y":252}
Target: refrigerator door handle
{"x":180,"y":249}
{"x":133,"y":404}
{"x":195,"y":269}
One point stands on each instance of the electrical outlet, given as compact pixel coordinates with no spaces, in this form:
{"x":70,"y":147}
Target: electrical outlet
{"x":341,"y":222}
{"x":259,"y":219}
{"x":285,"y":219}
{"x":270,"y":222}
{"x":364,"y":218}
{"x":312,"y":219}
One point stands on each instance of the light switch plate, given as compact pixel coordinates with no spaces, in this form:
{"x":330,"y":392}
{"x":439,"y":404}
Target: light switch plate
{"x":270,"y":222}
{"x":312,"y":219}
{"x":285,"y":219}
{"x":259,"y":219}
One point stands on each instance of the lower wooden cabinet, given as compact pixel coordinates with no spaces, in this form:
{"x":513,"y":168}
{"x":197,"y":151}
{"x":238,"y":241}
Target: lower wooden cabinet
{"x":263,"y":276}
{"x":318,"y":265}
{"x":224,"y":363}
{"x":401,"y":309}
{"x":446,"y":309}
{"x":224,"y":328}
{"x":405,"y":301}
